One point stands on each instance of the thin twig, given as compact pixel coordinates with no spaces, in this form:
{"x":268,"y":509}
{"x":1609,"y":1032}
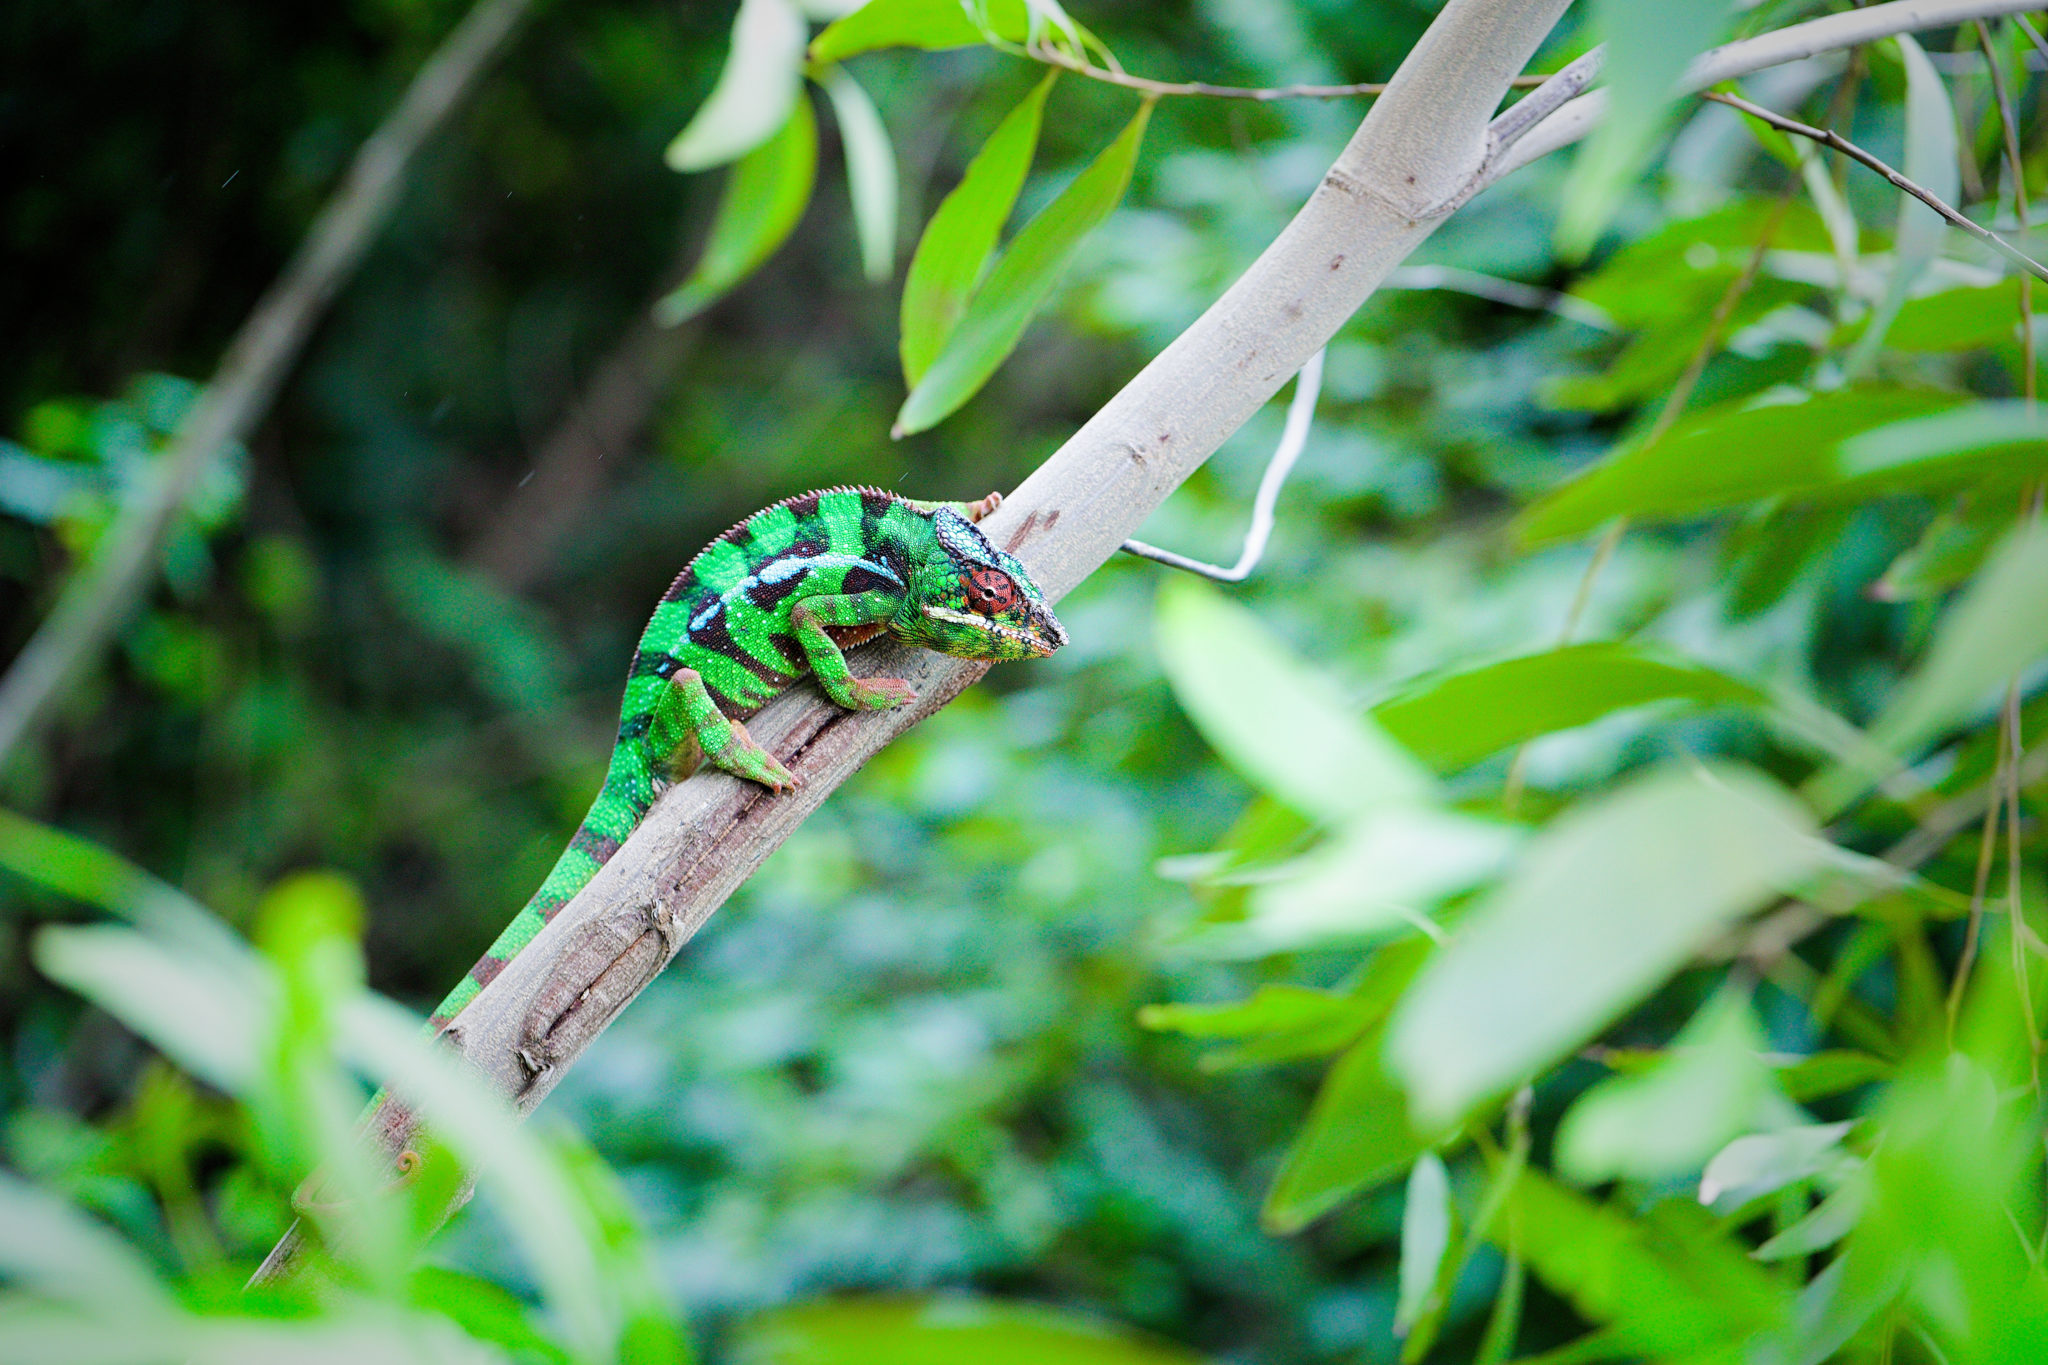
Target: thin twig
{"x":100,"y":595}
{"x":1301,"y":414}
{"x":1081,"y":66}
{"x":1827,"y":137}
{"x":2016,"y":167}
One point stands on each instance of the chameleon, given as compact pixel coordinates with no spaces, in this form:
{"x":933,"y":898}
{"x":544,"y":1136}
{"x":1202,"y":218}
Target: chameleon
{"x":782,"y":594}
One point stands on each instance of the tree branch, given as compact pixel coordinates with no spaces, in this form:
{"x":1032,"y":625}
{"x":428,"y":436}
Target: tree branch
{"x":101,"y":594}
{"x":1426,"y":146}
{"x":1828,"y":137}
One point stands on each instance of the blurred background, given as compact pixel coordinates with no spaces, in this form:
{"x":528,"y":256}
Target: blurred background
{"x":390,"y":638}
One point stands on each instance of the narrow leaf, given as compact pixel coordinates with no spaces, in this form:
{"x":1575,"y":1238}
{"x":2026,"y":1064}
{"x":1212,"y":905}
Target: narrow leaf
{"x":755,"y":92}
{"x":1272,"y":716}
{"x":941,"y":1330}
{"x":1733,"y":455}
{"x":50,"y":1247}
{"x":1357,"y":1135}
{"x":1425,"y":1240}
{"x":1671,"y":1119}
{"x":1001,"y":309}
{"x":763,"y":199}
{"x":961,"y":236}
{"x":1649,"y":43}
{"x":1930,"y":161}
{"x":1613,"y":897}
{"x":870,"y":172}
{"x":1451,"y":720}
{"x":928,"y":24}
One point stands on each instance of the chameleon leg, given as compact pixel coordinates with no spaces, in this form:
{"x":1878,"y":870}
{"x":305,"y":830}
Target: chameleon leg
{"x":687,"y":716}
{"x":828,"y":664}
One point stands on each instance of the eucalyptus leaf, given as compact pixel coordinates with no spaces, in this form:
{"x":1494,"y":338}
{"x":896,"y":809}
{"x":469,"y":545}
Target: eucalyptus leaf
{"x":1273,"y":717}
{"x":1426,"y":1219}
{"x":957,"y":243}
{"x":928,"y":24}
{"x":1759,"y":1164}
{"x":1358,"y":1135}
{"x":763,"y":199}
{"x":1649,"y":43}
{"x":1451,"y":720}
{"x":757,"y":89}
{"x":1741,"y":452}
{"x":1613,"y":897}
{"x":870,"y":172}
{"x":995,"y":318}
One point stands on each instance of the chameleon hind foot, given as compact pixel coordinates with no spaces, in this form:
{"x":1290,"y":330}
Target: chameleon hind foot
{"x":686,"y":716}
{"x":742,"y":757}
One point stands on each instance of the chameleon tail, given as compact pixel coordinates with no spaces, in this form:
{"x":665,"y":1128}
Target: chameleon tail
{"x":627,"y":793}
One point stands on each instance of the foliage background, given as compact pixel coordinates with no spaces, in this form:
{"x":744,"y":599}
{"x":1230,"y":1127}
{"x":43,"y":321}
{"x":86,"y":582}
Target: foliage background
{"x":907,"y":1057}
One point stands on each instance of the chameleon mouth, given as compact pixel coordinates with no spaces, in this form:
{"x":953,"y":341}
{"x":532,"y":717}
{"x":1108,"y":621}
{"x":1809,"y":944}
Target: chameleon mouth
{"x":1042,"y":637}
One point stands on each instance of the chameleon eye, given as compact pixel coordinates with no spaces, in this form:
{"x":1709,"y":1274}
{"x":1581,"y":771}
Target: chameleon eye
{"x":988,"y":590}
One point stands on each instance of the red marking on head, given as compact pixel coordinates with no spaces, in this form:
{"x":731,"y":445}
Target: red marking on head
{"x":988,"y":590}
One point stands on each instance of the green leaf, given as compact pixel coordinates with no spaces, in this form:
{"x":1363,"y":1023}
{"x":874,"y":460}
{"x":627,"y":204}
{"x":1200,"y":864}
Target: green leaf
{"x":1612,"y":897}
{"x":1000,"y":310}
{"x":1376,"y":876}
{"x":1451,"y":720}
{"x":1930,"y":160}
{"x":1425,"y":1242}
{"x":1736,"y":454}
{"x":756,"y":91}
{"x":870,"y":172}
{"x":1953,"y":547}
{"x":485,"y":1312}
{"x":1997,"y":628}
{"x":961,"y":236}
{"x":941,"y":1330}
{"x":1828,"y":1073}
{"x":1760,"y":1164}
{"x":1827,"y":1223}
{"x":1273,"y":717}
{"x":1952,"y":320}
{"x":49,"y":1247}
{"x":763,"y":199}
{"x":928,"y":24}
{"x":86,"y":871}
{"x":208,"y":1019}
{"x":1672,"y":1286}
{"x":1289,"y":1023}
{"x":1649,"y":43}
{"x":1671,"y":1119}
{"x":1357,"y":1135}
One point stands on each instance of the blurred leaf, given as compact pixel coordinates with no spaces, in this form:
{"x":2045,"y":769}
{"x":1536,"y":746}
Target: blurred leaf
{"x":207,"y":1019}
{"x":1652,"y":361}
{"x":1707,"y":1089}
{"x":1672,"y":1286}
{"x":1827,"y":1223}
{"x":1613,"y":897}
{"x":1357,"y":1135}
{"x":86,"y":871}
{"x":1679,"y":272}
{"x":1739,"y":453}
{"x":756,"y":92}
{"x":36,"y":489}
{"x":650,"y":1335}
{"x":1452,"y":720}
{"x":870,"y":172}
{"x":1952,"y":548}
{"x":944,"y":1330}
{"x":1763,"y":1163}
{"x":506,"y":641}
{"x":1830,"y":1073}
{"x":1000,"y":310}
{"x":957,"y":243}
{"x":764,"y":197}
{"x":1273,"y":717}
{"x":485,"y":1312}
{"x":1998,"y":627}
{"x":1649,"y":43}
{"x":928,"y":24}
{"x":1425,"y":1242}
{"x":1931,"y":162}
{"x":1962,"y":319}
{"x":51,"y":1248}
{"x":1374,"y":877}
{"x":1290,"y":1023}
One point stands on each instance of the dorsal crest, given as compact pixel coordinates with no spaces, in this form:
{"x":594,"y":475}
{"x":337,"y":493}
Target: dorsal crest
{"x":962,"y":540}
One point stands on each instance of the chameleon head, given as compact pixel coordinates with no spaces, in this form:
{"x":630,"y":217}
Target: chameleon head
{"x":972,"y":601}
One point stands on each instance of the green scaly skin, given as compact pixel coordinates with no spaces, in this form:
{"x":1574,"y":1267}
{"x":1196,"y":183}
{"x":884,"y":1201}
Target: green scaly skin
{"x":781,"y":595}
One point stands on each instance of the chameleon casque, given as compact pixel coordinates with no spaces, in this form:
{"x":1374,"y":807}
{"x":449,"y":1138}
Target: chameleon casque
{"x":782,"y":594}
